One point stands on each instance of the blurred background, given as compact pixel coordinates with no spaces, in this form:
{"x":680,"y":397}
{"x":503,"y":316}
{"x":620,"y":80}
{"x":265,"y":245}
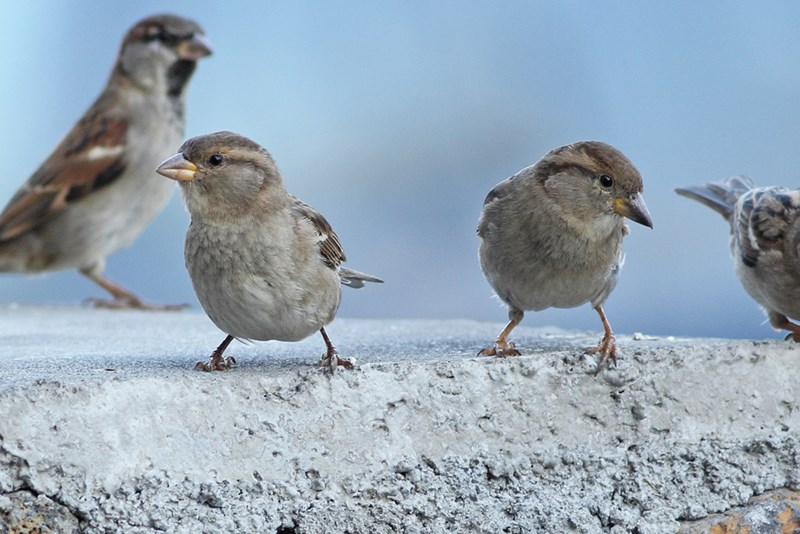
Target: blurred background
{"x":395,"y":118}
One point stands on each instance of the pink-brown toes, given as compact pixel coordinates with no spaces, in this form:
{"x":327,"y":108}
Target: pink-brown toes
{"x":332,"y":360}
{"x":500,"y":350}
{"x":608,"y":352}
{"x":216,"y":363}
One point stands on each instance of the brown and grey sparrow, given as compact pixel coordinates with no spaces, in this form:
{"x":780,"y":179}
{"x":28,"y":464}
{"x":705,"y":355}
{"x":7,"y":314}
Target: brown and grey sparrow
{"x":264,"y":265}
{"x":551,"y":235}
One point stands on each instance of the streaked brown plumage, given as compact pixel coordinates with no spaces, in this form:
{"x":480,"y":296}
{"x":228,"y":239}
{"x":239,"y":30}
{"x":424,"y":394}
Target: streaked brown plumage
{"x":96,"y":191}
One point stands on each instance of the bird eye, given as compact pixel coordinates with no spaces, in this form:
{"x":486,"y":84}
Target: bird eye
{"x":158,"y":33}
{"x":606,"y":181}
{"x":215,"y":160}
{"x":153,"y":32}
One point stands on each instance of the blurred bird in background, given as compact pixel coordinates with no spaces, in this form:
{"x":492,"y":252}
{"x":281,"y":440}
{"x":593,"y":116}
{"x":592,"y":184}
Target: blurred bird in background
{"x":97,"y":190}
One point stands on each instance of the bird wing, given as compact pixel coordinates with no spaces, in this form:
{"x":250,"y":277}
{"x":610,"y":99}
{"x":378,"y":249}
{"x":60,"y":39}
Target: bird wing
{"x":762,"y":220}
{"x":497,"y":194}
{"x":502,"y":189}
{"x":91,"y":156}
{"x":329,"y":246}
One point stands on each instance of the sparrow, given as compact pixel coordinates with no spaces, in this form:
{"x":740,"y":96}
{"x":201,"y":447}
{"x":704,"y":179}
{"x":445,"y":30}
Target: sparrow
{"x":764,"y":240}
{"x":264,"y":265}
{"x":551,"y":235}
{"x":97,"y":191}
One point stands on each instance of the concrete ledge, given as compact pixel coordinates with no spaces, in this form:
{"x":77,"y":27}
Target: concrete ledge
{"x":104,"y":427}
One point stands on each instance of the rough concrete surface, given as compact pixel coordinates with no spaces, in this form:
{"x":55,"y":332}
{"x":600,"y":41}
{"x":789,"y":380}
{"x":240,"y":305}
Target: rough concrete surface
{"x":105,"y":427}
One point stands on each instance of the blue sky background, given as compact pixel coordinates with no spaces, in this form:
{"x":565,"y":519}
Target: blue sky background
{"x":395,"y":118}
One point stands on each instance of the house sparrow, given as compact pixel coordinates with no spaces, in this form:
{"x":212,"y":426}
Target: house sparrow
{"x":765,"y":236}
{"x":263,"y":264}
{"x":551,"y":235}
{"x":97,"y":191}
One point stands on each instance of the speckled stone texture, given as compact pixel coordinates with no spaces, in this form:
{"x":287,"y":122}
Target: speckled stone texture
{"x":105,"y":427}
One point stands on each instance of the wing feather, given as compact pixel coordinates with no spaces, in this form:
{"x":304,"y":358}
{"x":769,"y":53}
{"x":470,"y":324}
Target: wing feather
{"x":89,"y":158}
{"x":329,"y":246}
{"x":763,"y":219}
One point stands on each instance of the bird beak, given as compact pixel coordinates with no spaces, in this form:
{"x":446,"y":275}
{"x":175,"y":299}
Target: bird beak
{"x":194,"y":48}
{"x":634,"y":209}
{"x":178,"y":168}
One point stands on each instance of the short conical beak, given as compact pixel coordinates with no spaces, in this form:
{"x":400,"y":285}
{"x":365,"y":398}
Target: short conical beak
{"x":634,"y":209}
{"x":194,"y":48}
{"x":178,"y":168}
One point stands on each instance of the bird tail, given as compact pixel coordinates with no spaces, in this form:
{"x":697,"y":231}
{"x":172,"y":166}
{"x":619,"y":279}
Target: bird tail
{"x":719,"y":196}
{"x":356,"y":279}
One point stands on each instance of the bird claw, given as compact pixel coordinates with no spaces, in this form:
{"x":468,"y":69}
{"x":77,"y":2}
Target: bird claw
{"x":608,"y":351}
{"x":216,"y":363}
{"x":132,"y":303}
{"x":331,"y":360}
{"x":500,"y":350}
{"x":793,"y":336}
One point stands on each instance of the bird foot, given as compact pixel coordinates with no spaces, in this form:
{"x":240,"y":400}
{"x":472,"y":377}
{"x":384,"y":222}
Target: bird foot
{"x":500,"y":349}
{"x":132,"y":303}
{"x":608,"y":351}
{"x":794,"y":331}
{"x":216,"y":363}
{"x":331,"y":360}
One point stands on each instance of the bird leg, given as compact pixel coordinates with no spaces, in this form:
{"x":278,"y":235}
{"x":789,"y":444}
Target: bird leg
{"x":331,"y":359}
{"x":501,"y":346}
{"x":123,"y":299}
{"x":781,"y":322}
{"x":607,"y":346}
{"x":216,"y":362}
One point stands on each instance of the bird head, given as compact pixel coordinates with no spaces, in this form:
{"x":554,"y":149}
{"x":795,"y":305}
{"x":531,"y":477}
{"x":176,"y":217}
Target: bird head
{"x":161,"y":52}
{"x":224,"y":175}
{"x":595,"y":183}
